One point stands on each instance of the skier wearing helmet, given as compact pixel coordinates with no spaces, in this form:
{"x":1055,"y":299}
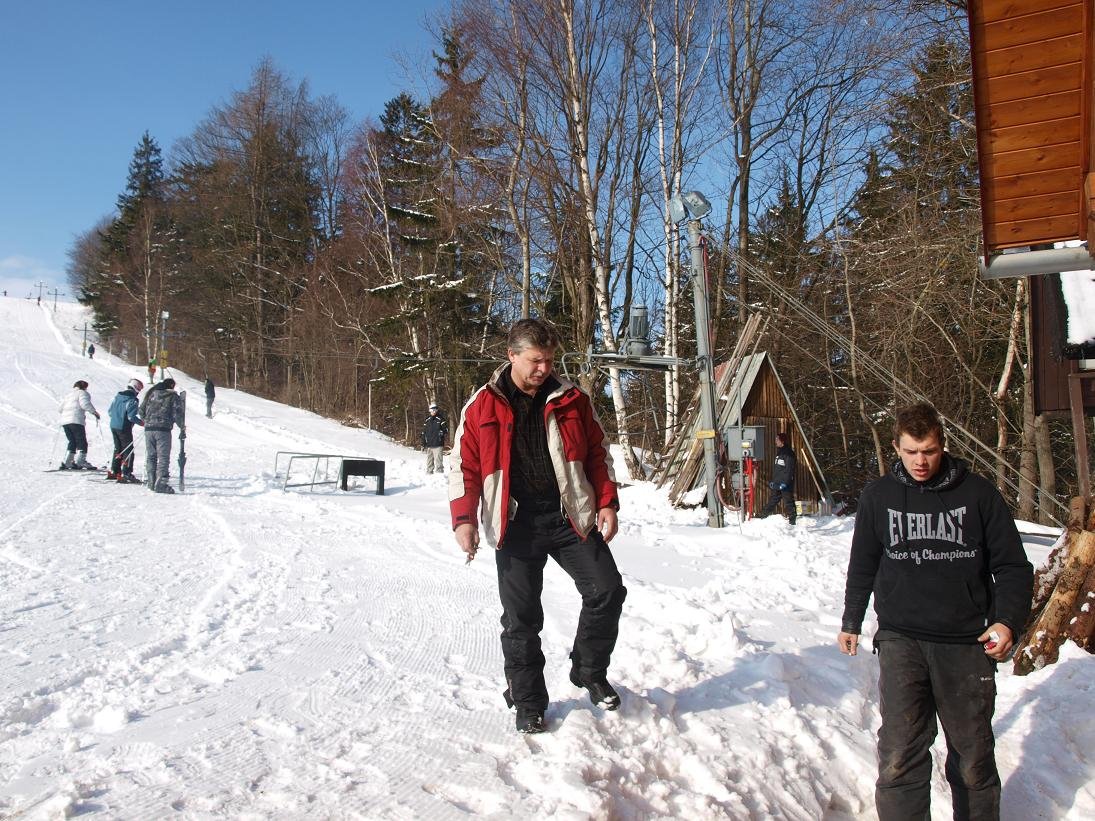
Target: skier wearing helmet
{"x":123,"y":416}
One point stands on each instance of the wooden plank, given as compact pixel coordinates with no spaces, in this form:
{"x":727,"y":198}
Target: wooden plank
{"x":989,"y":11}
{"x":1030,"y":28}
{"x":1027,"y":57}
{"x":1034,"y":135}
{"x":1089,"y":206}
{"x":1028,"y":232}
{"x":1042,"y":81}
{"x":1053,"y":181}
{"x":1020,"y":209}
{"x":1031,"y":160}
{"x":1035,"y":109}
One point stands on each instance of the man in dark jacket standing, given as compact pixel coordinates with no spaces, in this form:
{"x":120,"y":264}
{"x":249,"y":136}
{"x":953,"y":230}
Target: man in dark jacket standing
{"x":210,"y":395}
{"x":783,"y":479}
{"x":161,"y":411}
{"x":531,"y":454}
{"x":123,"y":416}
{"x":435,"y":432}
{"x":939,"y":550}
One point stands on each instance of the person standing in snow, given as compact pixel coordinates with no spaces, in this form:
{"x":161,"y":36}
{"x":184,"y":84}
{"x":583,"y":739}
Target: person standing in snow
{"x":938,"y":548}
{"x":435,"y":432}
{"x":531,"y":453}
{"x":210,"y":395}
{"x":783,"y":479}
{"x":161,"y":410}
{"x":91,"y":351}
{"x":74,"y":410}
{"x":123,"y":416}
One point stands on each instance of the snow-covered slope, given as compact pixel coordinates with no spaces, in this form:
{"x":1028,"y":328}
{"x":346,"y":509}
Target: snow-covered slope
{"x":240,"y":651}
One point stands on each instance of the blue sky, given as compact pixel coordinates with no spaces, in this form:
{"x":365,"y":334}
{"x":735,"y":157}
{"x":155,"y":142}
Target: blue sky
{"x":82,"y":80}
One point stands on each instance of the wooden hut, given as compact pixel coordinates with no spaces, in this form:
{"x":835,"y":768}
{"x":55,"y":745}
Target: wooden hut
{"x":751,"y":395}
{"x":757,"y":398}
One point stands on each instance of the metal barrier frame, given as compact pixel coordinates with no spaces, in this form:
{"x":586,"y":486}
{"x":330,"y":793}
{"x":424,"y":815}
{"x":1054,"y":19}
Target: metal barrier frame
{"x":294,"y":455}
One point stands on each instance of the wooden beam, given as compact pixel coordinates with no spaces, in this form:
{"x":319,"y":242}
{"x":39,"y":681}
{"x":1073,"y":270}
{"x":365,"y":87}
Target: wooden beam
{"x":1017,"y":59}
{"x":1027,"y":84}
{"x":1029,"y":232}
{"x":992,"y":10}
{"x":1033,"y":28}
{"x":1051,"y":181}
{"x":1035,"y":207}
{"x":1031,"y":160}
{"x":1039,"y":109}
{"x":1079,"y":432}
{"x":1089,"y":207}
{"x":1034,"y":135}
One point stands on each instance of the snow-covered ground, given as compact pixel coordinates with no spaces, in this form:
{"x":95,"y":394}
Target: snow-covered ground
{"x":242,"y":651}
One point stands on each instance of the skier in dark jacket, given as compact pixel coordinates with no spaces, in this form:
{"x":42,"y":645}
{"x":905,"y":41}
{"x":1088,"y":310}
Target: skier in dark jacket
{"x":123,"y":416}
{"x":783,"y":479}
{"x":161,"y":411}
{"x":937,"y":547}
{"x":210,"y":395}
{"x":435,"y":432}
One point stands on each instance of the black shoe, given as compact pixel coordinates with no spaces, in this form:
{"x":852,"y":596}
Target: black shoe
{"x":601,"y":692}
{"x":164,"y":489}
{"x":530,"y":721}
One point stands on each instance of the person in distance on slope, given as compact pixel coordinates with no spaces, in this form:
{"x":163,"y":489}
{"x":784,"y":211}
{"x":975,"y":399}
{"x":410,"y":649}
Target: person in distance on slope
{"x":161,"y":411}
{"x":937,"y":547}
{"x":531,"y":453}
{"x":123,"y":416}
{"x":74,"y":410}
{"x":210,"y":395}
{"x":435,"y":431}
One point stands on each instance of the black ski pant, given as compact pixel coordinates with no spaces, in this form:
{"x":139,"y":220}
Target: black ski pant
{"x":77,"y":438}
{"x":122,"y":463}
{"x":788,"y":499}
{"x":521,"y":559}
{"x":919,"y":680}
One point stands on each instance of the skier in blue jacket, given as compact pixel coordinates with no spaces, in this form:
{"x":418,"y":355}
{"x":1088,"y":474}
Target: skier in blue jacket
{"x":123,"y":416}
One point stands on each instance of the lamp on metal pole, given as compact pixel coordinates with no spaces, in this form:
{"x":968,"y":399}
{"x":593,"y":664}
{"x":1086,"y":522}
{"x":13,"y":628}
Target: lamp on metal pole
{"x":693,"y":206}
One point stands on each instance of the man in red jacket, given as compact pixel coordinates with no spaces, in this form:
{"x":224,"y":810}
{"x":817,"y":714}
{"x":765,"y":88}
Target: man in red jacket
{"x":530,"y":451}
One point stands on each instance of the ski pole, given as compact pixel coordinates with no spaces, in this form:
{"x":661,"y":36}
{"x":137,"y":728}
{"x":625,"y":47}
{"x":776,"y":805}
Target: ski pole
{"x":53,"y":447}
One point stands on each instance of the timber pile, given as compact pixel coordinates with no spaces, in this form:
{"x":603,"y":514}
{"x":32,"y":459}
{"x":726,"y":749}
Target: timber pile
{"x":1064,"y":595}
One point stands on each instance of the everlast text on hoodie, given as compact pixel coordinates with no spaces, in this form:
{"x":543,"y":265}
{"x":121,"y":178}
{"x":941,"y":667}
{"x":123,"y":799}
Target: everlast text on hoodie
{"x":943,"y":558}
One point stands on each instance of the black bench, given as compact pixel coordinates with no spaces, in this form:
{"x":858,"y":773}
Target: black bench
{"x":363,"y":467}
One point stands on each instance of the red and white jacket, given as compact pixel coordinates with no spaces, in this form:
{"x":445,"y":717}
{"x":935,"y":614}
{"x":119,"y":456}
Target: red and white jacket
{"x":480,"y":460}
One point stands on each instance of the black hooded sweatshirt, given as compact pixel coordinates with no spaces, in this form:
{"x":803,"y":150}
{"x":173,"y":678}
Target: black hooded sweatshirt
{"x":942,"y":557}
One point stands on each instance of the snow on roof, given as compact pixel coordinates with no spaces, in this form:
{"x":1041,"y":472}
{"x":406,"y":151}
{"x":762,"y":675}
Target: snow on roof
{"x":1078,"y":290}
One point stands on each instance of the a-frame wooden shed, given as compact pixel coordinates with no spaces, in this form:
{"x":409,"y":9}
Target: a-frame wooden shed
{"x":757,"y":398}
{"x":751,"y":395}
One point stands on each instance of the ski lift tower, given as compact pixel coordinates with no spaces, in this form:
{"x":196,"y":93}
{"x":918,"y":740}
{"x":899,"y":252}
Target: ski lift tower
{"x":635,"y":352}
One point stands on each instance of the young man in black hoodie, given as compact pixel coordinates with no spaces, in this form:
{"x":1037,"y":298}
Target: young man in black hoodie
{"x":939,"y":550}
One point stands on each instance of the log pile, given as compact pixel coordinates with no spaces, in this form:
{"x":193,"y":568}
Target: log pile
{"x":1064,"y":595}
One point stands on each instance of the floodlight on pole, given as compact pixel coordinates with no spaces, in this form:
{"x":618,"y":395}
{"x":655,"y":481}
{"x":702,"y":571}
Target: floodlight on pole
{"x":694,"y":206}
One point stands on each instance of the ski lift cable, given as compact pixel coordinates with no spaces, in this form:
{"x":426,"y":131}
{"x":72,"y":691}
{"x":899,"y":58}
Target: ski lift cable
{"x":884,"y":374}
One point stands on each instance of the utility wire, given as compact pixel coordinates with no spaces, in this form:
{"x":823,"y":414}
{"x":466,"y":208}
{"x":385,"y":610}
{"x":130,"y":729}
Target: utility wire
{"x":974,"y":446}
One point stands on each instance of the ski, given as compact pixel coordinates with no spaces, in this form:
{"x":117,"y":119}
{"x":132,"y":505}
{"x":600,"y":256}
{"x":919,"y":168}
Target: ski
{"x":74,"y":470}
{"x":182,"y":443}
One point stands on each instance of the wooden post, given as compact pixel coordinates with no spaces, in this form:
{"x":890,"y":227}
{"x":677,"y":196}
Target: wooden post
{"x":1079,"y":431}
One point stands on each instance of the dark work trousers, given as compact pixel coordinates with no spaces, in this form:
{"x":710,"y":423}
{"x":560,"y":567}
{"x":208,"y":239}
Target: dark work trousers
{"x":77,"y":438}
{"x":529,"y":540}
{"x":788,"y":499}
{"x":122,"y":463}
{"x":918,"y":681}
